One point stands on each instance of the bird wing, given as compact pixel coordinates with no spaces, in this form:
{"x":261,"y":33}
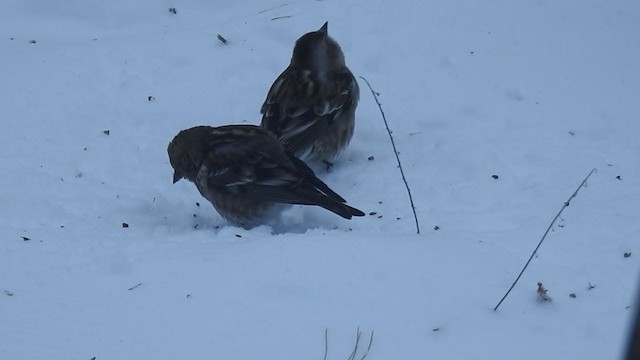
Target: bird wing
{"x":301,"y":106}
{"x":242,"y":156}
{"x":256,"y":166}
{"x":253,"y":164}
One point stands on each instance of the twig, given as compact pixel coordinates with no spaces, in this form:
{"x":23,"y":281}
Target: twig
{"x":281,"y":17}
{"x":326,"y":343}
{"x":222,"y":39}
{"x":271,"y":8}
{"x":565,"y":205}
{"x":355,"y":348}
{"x":395,"y":151}
{"x":135,"y":286}
{"x":368,"y":347}
{"x":353,"y":354}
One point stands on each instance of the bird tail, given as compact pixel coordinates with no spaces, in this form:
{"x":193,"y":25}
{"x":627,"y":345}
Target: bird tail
{"x":324,"y":196}
{"x":305,"y":195}
{"x":341,"y":209}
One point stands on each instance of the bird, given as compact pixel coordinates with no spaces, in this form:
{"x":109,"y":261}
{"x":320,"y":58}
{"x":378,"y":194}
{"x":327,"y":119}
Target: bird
{"x":244,"y":172}
{"x":311,"y":106}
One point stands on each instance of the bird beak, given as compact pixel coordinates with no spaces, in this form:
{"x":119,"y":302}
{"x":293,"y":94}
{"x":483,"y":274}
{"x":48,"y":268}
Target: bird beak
{"x":176,"y":176}
{"x":324,"y":28}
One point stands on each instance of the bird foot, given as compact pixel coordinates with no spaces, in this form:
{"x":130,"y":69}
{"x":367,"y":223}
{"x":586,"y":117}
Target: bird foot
{"x":329,"y":165}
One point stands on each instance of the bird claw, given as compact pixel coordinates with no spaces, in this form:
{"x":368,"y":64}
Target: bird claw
{"x":329,"y":165}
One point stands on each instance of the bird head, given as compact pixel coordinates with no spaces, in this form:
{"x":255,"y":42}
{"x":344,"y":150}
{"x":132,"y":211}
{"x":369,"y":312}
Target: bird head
{"x":317,"y":51}
{"x":180,"y":154}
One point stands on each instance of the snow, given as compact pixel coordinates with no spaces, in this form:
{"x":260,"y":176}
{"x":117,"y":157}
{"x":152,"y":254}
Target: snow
{"x":536,"y":92}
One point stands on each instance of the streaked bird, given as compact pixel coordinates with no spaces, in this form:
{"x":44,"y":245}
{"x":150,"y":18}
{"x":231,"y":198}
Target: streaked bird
{"x":311,"y":105}
{"x":244,"y":171}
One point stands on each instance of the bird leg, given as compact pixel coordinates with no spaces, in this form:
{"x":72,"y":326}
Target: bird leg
{"x":329,"y":164}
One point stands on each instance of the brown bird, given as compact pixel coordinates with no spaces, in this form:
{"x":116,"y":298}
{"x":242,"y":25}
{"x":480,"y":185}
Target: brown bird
{"x":311,"y":106}
{"x":244,"y":171}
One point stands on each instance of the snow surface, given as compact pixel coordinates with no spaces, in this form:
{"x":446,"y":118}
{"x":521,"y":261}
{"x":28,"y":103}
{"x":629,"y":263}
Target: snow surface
{"x":536,"y":92}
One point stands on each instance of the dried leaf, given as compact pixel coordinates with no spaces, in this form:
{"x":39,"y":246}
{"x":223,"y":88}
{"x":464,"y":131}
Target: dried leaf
{"x":542,"y":293}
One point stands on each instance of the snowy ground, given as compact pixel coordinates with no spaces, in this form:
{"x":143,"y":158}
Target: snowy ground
{"x":535,"y":92}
